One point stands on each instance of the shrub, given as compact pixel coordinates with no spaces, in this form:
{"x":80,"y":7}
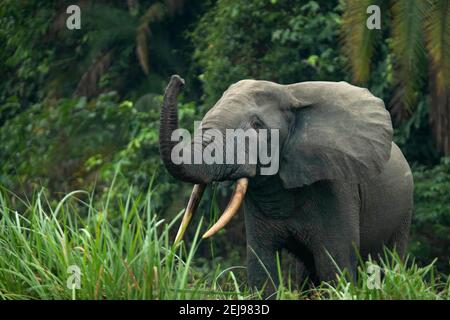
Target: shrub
{"x":430,"y":236}
{"x":76,"y":144}
{"x":281,"y":41}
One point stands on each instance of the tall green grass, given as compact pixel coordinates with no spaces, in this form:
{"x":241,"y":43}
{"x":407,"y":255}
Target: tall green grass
{"x":123,"y":251}
{"x":125,"y":254}
{"x":396,"y":280}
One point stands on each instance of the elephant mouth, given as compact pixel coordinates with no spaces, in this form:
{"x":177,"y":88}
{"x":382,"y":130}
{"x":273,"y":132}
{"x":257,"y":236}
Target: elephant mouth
{"x":230,"y":211}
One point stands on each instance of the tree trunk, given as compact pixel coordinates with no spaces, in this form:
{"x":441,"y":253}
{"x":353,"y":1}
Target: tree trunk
{"x":440,"y":116}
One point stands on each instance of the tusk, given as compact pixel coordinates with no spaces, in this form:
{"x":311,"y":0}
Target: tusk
{"x":194,"y":200}
{"x":232,"y":208}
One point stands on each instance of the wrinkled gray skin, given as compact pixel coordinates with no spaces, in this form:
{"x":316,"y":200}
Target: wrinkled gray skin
{"x":342,"y":184}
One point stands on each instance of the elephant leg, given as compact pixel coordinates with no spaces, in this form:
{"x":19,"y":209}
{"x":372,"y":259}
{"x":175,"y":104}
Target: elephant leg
{"x":262,"y":269}
{"x":303,"y":261}
{"x":263,"y":243}
{"x":399,"y":240}
{"x":331,"y":259}
{"x":336,"y":239}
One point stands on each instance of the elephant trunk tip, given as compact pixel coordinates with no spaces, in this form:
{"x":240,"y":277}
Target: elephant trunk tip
{"x":176,"y":83}
{"x":176,"y":78}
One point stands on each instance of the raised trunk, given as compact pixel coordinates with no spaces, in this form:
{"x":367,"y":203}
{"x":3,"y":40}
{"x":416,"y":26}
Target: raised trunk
{"x":195,"y":173}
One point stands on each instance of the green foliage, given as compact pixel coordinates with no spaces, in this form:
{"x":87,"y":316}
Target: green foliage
{"x":77,"y":143}
{"x":358,"y":39}
{"x":414,"y":137}
{"x":25,"y":60}
{"x":431,"y":219}
{"x":41,"y":59}
{"x":124,"y":252}
{"x":51,"y":137}
{"x":417,"y":33}
{"x":272,"y":40}
{"x":126,"y":257}
{"x":407,"y":24}
{"x":49,"y":143}
{"x":139,"y":156}
{"x":398,"y":281}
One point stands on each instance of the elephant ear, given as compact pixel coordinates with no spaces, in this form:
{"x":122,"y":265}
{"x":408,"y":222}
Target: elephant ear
{"x":341,"y":132}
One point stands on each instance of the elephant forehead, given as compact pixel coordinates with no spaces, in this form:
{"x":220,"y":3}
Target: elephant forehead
{"x":249,"y":84}
{"x":258,"y":91}
{"x":228,"y":114}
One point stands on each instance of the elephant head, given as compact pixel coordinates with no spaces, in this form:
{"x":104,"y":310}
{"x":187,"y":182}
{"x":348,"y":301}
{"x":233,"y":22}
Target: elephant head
{"x":327,"y":131}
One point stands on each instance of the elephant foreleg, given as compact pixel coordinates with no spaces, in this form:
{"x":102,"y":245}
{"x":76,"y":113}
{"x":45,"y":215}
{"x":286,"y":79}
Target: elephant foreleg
{"x":262,"y":246}
{"x":262,"y":269}
{"x":331,"y":260}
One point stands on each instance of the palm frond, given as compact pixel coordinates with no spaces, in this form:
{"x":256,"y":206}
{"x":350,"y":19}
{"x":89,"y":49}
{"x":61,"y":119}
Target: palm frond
{"x":408,"y":47}
{"x":358,"y":40}
{"x":437,"y":39}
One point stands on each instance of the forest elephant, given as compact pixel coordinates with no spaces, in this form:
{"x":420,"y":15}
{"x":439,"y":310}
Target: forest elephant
{"x":342,"y":189}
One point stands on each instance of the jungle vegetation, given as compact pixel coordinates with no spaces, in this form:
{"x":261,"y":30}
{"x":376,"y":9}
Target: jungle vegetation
{"x":79,"y":112}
